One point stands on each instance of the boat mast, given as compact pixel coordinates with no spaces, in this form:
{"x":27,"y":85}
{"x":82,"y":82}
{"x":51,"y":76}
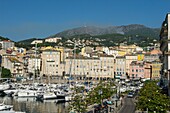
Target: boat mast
{"x":74,"y":60}
{"x":35,"y":66}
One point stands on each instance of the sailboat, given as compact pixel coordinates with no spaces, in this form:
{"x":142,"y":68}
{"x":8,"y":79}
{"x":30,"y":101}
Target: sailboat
{"x":29,"y":92}
{"x":69,"y":94}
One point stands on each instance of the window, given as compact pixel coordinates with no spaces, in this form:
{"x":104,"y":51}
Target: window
{"x":136,"y":70}
{"x":132,"y":75}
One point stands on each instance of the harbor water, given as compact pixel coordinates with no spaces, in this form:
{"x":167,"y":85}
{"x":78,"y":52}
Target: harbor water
{"x":30,"y":105}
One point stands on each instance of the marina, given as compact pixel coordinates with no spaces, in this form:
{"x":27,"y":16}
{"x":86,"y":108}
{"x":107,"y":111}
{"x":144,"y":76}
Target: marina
{"x":36,"y":97}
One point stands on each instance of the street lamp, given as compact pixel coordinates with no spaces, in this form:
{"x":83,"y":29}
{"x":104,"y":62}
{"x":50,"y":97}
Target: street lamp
{"x":117,"y":93}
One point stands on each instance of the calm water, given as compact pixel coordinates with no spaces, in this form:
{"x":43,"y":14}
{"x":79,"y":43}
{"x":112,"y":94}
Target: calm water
{"x":30,"y":105}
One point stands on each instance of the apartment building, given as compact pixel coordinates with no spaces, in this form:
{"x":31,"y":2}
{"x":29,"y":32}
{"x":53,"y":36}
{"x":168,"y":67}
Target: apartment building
{"x":152,"y":55}
{"x":156,"y":68}
{"x":129,"y":58}
{"x":6,"y":44}
{"x":137,"y":69}
{"x":120,"y":66}
{"x":141,"y":69}
{"x":86,"y":50}
{"x":165,"y":48}
{"x":90,"y":67}
{"x":51,"y":60}
{"x":14,"y":65}
{"x":53,"y":40}
{"x":34,"y":64}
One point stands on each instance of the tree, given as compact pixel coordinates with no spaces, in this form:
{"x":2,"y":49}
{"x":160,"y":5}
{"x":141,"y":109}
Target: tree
{"x":78,"y":103}
{"x":151,"y":99}
{"x":95,"y":96}
{"x":6,"y":73}
{"x":82,"y":99}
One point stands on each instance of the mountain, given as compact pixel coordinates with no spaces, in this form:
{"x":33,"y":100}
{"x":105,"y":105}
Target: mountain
{"x":106,"y":36}
{"x":133,"y":29}
{"x":27,"y":41}
{"x":3,"y":38}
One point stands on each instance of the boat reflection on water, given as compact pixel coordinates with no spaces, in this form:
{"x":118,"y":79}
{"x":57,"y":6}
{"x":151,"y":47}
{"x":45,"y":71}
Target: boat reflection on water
{"x":30,"y":105}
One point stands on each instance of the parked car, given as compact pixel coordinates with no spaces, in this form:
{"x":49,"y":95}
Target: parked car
{"x":130,"y":95}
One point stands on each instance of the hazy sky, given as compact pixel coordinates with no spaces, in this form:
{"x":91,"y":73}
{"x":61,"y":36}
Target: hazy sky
{"x":23,"y":19}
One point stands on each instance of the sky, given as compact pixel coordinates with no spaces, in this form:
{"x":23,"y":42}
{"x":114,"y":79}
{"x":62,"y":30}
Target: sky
{"x":24,"y":19}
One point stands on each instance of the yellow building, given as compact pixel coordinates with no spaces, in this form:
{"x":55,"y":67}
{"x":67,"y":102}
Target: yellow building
{"x":156,"y":68}
{"x":121,"y":53}
{"x":140,"y":57}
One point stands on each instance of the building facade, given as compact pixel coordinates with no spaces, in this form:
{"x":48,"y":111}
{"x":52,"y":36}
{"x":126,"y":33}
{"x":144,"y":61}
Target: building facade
{"x":91,"y":67}
{"x":34,"y":64}
{"x":6,"y":44}
{"x":120,"y":66}
{"x":53,"y":40}
{"x":51,"y":60}
{"x":129,"y":58}
{"x":156,"y":68}
{"x":153,"y":55}
{"x":14,"y":65}
{"x":165,"y":49}
{"x":137,"y":69}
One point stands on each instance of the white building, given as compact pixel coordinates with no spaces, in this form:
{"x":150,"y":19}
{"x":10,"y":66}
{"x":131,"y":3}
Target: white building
{"x":90,"y":67}
{"x":37,"y":41}
{"x":6,"y":44}
{"x":51,"y":60}
{"x":34,"y":64}
{"x":13,"y":64}
{"x":129,"y":58}
{"x":120,"y":66}
{"x":53,"y":40}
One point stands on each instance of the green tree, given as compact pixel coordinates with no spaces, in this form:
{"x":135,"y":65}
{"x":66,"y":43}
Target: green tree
{"x":102,"y":91}
{"x":151,"y":99}
{"x":6,"y":73}
{"x":83,"y":99}
{"x":78,"y":103}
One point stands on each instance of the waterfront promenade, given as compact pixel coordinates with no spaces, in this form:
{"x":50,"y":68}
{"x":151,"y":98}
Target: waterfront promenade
{"x":113,"y":108}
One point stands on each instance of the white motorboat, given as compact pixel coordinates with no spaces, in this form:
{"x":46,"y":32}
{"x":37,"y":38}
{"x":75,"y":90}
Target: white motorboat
{"x":4,"y":87}
{"x":47,"y":95}
{"x":27,"y":93}
{"x":60,"y":94}
{"x":10,"y":92}
{"x":4,"y":107}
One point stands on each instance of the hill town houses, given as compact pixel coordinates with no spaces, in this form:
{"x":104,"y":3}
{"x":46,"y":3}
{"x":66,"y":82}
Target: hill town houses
{"x":95,"y":63}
